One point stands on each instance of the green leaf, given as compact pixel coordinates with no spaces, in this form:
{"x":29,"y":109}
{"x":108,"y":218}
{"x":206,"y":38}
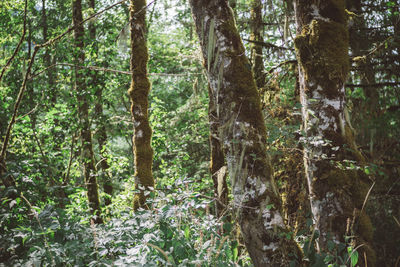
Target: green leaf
{"x":354,"y":258}
{"x":187,"y":232}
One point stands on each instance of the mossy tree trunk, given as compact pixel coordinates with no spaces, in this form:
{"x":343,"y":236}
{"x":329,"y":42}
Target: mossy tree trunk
{"x":336,"y":194}
{"x":83,"y":111}
{"x":256,"y":35}
{"x":217,"y":161}
{"x":101,"y":133}
{"x":242,"y":133}
{"x":138,"y":93}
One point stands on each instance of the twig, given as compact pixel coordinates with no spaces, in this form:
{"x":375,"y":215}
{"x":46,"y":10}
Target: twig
{"x":373,"y":51}
{"x":19,"y":44}
{"x":397,"y":221}
{"x":281,"y":64}
{"x":366,"y":197}
{"x":160,"y":250}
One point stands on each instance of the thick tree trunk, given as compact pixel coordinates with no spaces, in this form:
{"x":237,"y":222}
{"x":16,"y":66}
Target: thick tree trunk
{"x":256,"y":35}
{"x":101,"y":134}
{"x":217,"y":161}
{"x":242,"y":133}
{"x":138,"y":93}
{"x":336,"y":195}
{"x":83,"y":110}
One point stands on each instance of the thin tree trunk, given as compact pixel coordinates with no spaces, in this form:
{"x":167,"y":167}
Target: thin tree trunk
{"x":47,"y":57}
{"x":242,"y":133}
{"x":360,"y":45}
{"x":101,"y":134}
{"x":256,"y":35}
{"x":138,"y":93}
{"x":336,"y":195}
{"x":83,"y":109}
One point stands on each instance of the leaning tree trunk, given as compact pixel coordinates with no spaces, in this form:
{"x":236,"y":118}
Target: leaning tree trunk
{"x":242,"y":133}
{"x":138,"y":93}
{"x":101,"y":134}
{"x":336,"y":194}
{"x":83,"y":110}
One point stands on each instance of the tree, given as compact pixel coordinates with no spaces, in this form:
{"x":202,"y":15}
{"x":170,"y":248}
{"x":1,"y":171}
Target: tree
{"x":83,"y":110}
{"x":256,"y":36}
{"x":243,"y":135}
{"x":138,"y":94}
{"x":101,"y":134}
{"x":336,"y":194}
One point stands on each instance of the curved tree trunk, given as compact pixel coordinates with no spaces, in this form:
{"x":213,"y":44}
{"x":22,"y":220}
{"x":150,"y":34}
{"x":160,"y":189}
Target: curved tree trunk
{"x":83,"y":110}
{"x":336,"y":194}
{"x":242,"y":133}
{"x":138,"y":93}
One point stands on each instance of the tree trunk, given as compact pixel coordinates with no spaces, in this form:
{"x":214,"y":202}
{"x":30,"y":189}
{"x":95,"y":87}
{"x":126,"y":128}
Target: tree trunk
{"x":47,"y":57}
{"x":138,"y":93}
{"x":83,"y":110}
{"x":336,"y":194}
{"x":360,"y":45}
{"x":217,"y":161}
{"x":101,"y":134}
{"x":242,"y":133}
{"x":256,"y":35}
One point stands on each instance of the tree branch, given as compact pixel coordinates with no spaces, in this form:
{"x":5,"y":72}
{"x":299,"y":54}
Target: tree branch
{"x":267,"y":45}
{"x":373,"y":84}
{"x":19,"y":44}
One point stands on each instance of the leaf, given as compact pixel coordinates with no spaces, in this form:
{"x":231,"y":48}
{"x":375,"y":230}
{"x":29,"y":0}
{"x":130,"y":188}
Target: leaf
{"x":187,"y":232}
{"x":354,"y":258}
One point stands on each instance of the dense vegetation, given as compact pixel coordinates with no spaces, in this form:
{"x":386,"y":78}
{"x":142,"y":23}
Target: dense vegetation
{"x":72,"y":95}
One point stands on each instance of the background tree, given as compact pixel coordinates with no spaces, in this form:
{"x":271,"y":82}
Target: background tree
{"x":83,"y":110}
{"x":138,"y":93}
{"x":97,"y":81}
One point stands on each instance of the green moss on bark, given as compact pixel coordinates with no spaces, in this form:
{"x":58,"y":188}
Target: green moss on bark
{"x":138,"y":94}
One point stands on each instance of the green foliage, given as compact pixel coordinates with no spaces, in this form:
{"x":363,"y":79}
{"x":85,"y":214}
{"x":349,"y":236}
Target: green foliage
{"x":178,"y":231}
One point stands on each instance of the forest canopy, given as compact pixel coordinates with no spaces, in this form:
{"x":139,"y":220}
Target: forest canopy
{"x":199,"y":133}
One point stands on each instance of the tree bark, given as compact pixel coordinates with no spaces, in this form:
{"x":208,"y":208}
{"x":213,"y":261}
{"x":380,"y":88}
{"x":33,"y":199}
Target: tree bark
{"x":336,"y":194}
{"x":101,"y":134}
{"x":256,"y":35}
{"x":242,"y":133}
{"x":47,"y":57}
{"x":217,"y":161}
{"x":83,"y":111}
{"x":138,"y":93}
